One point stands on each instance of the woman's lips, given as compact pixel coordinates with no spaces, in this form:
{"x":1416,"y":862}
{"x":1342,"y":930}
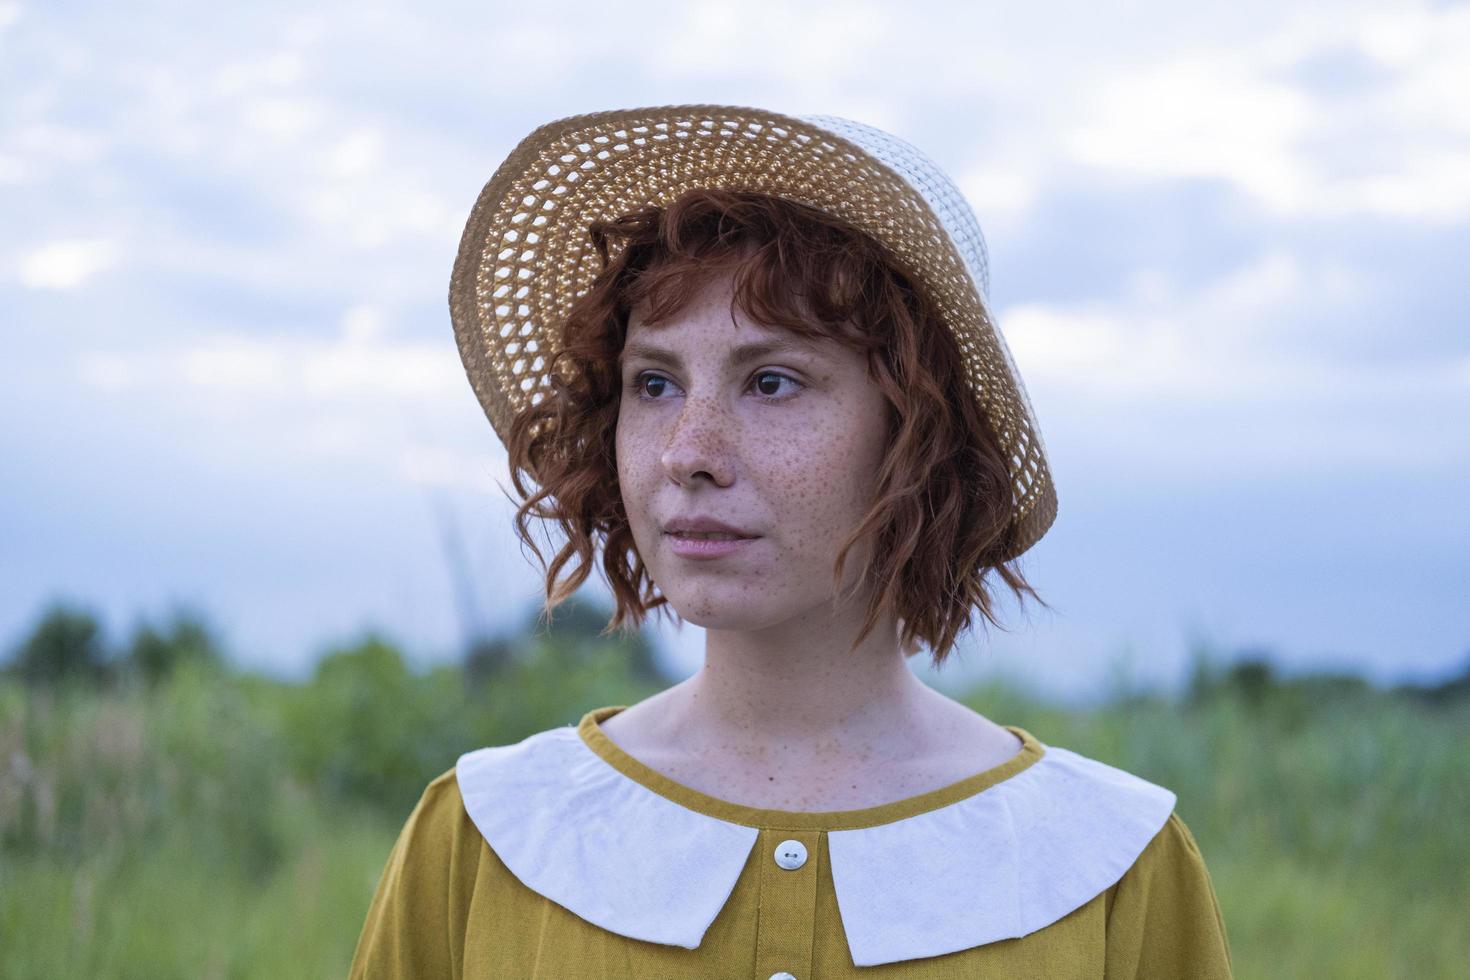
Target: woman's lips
{"x":688,"y":546}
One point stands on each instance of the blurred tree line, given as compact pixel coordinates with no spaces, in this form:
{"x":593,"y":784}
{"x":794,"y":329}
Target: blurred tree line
{"x":67,"y":645}
{"x":1251,"y":678}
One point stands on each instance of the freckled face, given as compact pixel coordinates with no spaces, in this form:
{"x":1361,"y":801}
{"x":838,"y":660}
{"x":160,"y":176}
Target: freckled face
{"x":784,"y":445}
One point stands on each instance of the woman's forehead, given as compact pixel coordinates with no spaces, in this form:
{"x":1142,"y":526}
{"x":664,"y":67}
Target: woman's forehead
{"x":734,"y":330}
{"x":767,"y":343}
{"x":717,"y":309}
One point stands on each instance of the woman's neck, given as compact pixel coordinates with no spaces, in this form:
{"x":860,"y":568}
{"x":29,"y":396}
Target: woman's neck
{"x":797,"y":693}
{"x":793,"y":719}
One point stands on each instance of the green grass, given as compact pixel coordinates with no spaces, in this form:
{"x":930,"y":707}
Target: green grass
{"x":172,"y":913}
{"x":227,"y":826}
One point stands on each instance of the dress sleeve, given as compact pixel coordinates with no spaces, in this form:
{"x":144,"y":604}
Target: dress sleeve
{"x":1163,"y":918}
{"x":416,"y":923}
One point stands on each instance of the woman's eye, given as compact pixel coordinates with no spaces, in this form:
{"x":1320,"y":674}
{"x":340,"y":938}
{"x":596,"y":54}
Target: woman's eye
{"x":641,"y":382}
{"x":767,"y":388}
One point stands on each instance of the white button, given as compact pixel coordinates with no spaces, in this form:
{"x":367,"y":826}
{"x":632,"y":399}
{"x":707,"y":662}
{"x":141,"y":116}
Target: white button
{"x":790,"y":854}
{"x":783,"y":975}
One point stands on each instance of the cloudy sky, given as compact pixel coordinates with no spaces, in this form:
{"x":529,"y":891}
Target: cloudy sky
{"x":1228,"y":248}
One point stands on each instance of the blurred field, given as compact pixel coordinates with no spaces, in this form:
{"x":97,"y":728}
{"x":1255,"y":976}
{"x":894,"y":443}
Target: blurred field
{"x":164,"y":816}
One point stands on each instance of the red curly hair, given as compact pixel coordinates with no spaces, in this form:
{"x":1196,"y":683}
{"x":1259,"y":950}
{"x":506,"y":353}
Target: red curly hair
{"x":941,"y":511}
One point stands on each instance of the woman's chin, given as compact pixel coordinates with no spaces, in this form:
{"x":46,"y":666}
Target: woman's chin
{"x":735,"y":612}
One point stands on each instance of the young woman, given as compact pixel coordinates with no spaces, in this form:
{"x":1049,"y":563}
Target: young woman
{"x":748,"y":358}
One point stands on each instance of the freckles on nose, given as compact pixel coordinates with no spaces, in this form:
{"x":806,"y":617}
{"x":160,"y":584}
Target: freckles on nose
{"x":701,"y":426}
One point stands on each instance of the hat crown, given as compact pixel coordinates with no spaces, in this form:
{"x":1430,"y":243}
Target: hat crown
{"x":929,"y":181}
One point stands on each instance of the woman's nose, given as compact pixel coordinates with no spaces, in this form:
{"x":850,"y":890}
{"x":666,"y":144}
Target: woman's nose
{"x":700,"y":442}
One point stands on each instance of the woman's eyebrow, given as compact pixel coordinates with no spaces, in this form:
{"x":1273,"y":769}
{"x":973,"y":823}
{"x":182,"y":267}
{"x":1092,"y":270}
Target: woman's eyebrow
{"x":738,"y":355}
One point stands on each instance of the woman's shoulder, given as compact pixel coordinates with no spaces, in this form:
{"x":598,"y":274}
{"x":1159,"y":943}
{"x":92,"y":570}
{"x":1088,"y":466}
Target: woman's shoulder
{"x":1171,"y":853}
{"x":1088,"y":784}
{"x":424,"y":891}
{"x":442,"y":794}
{"x":1163,"y":915}
{"x":438,"y":820}
{"x":1173,"y":844}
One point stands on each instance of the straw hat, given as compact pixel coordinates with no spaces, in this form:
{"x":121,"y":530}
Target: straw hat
{"x":526,"y":257}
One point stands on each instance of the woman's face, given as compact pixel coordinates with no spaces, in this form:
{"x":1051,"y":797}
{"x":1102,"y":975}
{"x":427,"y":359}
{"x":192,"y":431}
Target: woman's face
{"x":782,"y":444}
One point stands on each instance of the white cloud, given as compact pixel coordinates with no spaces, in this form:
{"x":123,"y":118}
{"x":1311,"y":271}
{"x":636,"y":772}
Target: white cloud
{"x":57,"y":143}
{"x":357,"y":153}
{"x":283,"y":118}
{"x":796,"y":42}
{"x":275,"y":69}
{"x":13,"y":169}
{"x":223,"y":364}
{"x":363,"y":324}
{"x":109,"y":372}
{"x":65,"y":264}
{"x":373,"y":214}
{"x":363,"y":399}
{"x":1267,"y":283}
{"x":290,"y":368}
{"x":1100,"y":352}
{"x":1237,"y":113}
{"x":1000,"y":193}
{"x":1226,"y":342}
{"x":403,"y":370}
{"x":1203,"y":115}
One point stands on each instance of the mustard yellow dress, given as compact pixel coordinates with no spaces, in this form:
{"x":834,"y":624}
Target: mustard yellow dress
{"x":563,"y":857}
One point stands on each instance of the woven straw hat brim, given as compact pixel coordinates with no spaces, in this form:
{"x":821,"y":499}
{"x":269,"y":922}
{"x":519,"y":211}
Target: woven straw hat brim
{"x":526,"y":257}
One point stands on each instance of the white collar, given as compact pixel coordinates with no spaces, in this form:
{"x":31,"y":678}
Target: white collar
{"x":997,"y":864}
